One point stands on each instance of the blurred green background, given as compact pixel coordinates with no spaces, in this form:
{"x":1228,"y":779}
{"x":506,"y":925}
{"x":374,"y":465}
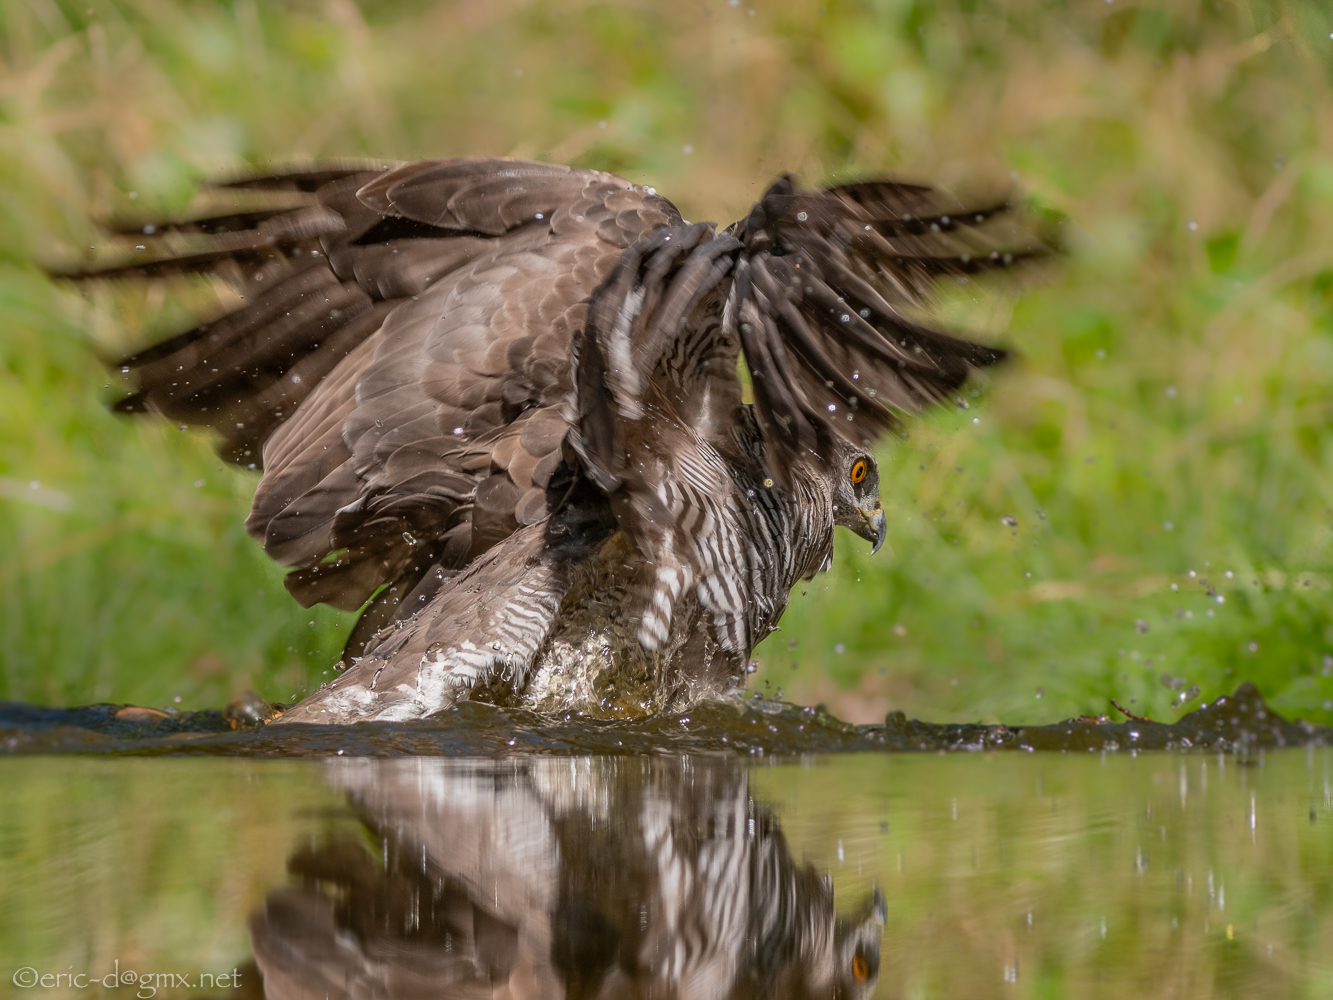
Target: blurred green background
{"x":1161,"y":445}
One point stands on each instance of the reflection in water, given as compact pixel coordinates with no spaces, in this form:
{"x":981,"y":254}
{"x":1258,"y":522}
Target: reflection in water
{"x":583,"y":877}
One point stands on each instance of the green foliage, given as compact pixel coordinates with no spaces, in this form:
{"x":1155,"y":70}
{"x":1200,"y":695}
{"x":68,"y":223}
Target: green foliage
{"x":1168,"y":408}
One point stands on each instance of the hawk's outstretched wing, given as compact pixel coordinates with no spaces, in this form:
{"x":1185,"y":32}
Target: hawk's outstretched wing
{"x":400,"y":361}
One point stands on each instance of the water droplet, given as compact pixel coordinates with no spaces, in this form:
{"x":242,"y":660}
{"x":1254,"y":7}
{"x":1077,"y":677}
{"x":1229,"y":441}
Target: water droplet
{"x":833,"y":407}
{"x":1009,"y":521}
{"x":457,"y":431}
{"x":839,"y":649}
{"x":296,"y":380}
{"x":1192,"y":225}
{"x":539,"y":216}
{"x":1168,"y":526}
{"x":802,"y":217}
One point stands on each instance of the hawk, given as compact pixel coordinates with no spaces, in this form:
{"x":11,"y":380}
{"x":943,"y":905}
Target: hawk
{"x":565,"y":449}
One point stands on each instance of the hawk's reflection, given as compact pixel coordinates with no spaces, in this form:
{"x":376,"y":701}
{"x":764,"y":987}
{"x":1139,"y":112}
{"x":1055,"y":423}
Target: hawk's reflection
{"x":574,"y":878}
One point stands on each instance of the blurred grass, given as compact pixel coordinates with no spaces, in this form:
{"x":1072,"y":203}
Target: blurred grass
{"x":1169,"y":409}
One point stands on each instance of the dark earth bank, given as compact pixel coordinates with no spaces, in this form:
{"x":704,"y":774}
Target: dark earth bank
{"x":1240,"y":724}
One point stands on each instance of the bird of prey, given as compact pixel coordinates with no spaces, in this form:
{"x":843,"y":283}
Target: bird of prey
{"x":566,"y":449}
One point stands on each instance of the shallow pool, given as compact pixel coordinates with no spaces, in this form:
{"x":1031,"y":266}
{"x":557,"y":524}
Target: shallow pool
{"x":922,"y":875}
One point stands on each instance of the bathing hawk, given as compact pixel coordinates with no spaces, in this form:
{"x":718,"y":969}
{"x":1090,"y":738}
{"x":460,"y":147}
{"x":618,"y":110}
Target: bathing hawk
{"x":563,"y":448}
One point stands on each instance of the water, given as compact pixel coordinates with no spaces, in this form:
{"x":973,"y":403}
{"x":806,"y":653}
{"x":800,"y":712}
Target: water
{"x":1241,"y":723}
{"x":744,"y":849}
{"x":908,"y":875}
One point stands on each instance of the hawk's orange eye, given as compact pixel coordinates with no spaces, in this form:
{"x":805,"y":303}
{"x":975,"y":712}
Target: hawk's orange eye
{"x":859,"y":470}
{"x":860,"y":968}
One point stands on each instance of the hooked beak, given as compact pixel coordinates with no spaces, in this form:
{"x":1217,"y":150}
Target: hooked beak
{"x":873,"y":528}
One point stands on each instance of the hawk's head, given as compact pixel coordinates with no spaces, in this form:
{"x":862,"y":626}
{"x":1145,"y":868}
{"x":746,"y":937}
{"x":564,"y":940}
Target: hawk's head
{"x":855,"y":489}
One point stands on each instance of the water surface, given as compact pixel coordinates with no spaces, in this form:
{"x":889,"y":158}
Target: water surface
{"x":919,"y":875}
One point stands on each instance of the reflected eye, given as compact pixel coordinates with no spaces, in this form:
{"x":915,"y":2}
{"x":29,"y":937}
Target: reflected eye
{"x":859,"y":470}
{"x":860,"y":968}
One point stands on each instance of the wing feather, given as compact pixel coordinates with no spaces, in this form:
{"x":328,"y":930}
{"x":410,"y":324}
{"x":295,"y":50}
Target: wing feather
{"x":400,"y":360}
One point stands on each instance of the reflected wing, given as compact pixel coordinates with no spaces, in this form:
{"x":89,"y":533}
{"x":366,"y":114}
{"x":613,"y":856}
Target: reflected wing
{"x":398,"y":359}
